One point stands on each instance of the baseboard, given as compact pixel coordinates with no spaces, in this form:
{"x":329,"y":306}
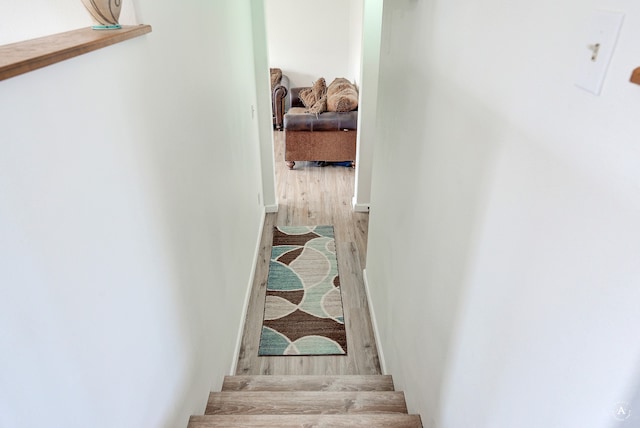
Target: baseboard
{"x":245,"y":305}
{"x":374,"y":323}
{"x":271,"y":208}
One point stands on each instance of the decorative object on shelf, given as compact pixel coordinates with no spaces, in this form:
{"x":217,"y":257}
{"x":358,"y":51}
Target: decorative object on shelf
{"x":635,"y":77}
{"x":105,"y":13}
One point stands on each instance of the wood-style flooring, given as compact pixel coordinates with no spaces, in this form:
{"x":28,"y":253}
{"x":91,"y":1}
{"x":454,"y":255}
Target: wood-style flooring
{"x":312,"y":195}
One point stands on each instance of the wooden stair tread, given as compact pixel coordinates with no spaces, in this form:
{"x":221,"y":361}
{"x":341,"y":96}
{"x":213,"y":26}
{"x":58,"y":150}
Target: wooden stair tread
{"x":305,"y":402}
{"x":306,"y":421}
{"x":308,"y":383}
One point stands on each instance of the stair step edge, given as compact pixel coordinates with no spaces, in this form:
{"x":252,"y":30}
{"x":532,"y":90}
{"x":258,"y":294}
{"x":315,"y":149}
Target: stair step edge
{"x":306,"y":402}
{"x":306,"y":421}
{"x":308,"y":383}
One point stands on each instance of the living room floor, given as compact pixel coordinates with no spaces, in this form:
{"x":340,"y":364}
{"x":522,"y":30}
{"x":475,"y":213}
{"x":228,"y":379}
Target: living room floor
{"x":313,"y":195}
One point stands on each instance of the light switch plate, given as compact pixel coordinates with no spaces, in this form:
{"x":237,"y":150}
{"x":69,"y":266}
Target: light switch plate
{"x":597,"y":50}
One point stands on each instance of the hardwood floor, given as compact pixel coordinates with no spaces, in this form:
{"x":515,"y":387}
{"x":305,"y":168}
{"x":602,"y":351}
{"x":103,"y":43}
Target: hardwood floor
{"x":312,"y":195}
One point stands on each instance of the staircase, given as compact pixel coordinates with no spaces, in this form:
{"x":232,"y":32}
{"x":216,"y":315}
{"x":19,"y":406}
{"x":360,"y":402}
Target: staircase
{"x":306,"y":401}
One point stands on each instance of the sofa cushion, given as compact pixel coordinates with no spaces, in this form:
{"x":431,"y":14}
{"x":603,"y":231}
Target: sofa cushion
{"x":297,"y":119}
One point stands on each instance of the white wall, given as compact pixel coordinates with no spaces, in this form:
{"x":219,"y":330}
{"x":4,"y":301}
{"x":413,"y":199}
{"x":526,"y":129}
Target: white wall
{"x":504,"y":237}
{"x":128,"y":222}
{"x":310,"y":39}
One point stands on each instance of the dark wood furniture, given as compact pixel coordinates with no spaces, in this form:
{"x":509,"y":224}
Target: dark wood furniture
{"x":328,"y":136}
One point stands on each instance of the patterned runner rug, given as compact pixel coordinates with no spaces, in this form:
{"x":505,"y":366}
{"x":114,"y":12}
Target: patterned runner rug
{"x":303,"y":308}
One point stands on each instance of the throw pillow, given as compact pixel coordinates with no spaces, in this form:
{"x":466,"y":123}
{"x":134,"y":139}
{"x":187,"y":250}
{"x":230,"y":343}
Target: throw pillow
{"x":342,"y":96}
{"x":307,"y":97}
{"x":338,"y":85}
{"x":319,"y":106}
{"x":319,"y":88}
{"x":315,"y":98}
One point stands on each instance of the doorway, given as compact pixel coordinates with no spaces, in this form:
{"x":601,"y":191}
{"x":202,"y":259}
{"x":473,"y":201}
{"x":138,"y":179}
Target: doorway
{"x":360,"y":60}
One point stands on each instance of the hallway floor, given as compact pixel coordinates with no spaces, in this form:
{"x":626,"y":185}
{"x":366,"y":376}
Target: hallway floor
{"x":312,"y":195}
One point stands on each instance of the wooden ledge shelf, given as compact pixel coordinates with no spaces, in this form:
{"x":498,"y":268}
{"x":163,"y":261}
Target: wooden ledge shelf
{"x":635,"y":76}
{"x":22,"y":57}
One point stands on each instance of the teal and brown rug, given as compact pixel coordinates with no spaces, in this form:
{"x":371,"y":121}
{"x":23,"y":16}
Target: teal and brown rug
{"x":303,"y":312}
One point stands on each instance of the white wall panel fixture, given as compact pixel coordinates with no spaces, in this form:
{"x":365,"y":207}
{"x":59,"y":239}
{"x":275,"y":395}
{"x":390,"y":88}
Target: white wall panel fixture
{"x":600,"y":41}
{"x":128,"y":221}
{"x":504,"y":241}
